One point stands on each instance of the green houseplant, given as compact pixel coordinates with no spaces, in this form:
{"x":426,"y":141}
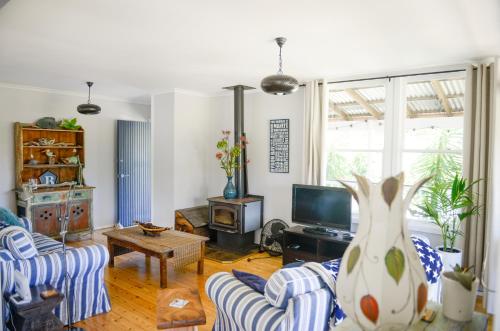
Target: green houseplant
{"x":228,"y":157}
{"x":448,"y":203}
{"x":69,"y":124}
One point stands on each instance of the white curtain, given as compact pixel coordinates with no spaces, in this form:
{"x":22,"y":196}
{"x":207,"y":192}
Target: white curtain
{"x":315,"y":126}
{"x":477,"y":165}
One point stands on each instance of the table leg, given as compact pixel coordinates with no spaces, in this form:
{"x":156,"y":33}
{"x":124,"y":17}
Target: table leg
{"x":111,"y":249}
{"x":163,"y":272}
{"x":201,"y":261}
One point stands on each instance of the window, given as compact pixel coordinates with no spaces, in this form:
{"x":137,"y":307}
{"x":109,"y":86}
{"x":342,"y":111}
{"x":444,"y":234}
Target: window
{"x":412,"y":124}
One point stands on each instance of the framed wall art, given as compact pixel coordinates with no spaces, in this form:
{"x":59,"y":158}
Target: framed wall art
{"x":279,"y":145}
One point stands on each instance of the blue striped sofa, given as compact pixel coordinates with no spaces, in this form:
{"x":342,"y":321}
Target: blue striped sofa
{"x":88,"y":293}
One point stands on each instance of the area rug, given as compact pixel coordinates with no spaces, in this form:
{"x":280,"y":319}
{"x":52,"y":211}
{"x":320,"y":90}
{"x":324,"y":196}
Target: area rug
{"x":217,"y":254}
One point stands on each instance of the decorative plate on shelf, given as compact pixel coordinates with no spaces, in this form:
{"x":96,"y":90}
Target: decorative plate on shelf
{"x":48,"y":178}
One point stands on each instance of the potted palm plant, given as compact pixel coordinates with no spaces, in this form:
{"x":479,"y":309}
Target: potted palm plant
{"x":448,"y":203}
{"x":459,"y":293}
{"x":228,"y":158}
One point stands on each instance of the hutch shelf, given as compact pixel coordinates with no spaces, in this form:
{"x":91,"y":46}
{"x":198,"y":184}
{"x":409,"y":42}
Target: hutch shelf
{"x":48,"y":203}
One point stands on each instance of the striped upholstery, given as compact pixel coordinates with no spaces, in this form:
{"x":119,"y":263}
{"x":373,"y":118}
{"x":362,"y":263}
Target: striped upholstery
{"x":88,"y":294}
{"x":46,"y":245}
{"x":5,"y":255}
{"x":241,"y":308}
{"x":285,"y":284}
{"x":19,"y":242}
{"x":26,"y":223}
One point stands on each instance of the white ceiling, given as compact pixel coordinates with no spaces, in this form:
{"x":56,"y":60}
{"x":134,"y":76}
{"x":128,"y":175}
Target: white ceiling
{"x":134,"y":48}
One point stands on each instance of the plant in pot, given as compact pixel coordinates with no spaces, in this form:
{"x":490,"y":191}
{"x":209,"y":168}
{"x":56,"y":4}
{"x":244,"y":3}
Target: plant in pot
{"x":228,"y":158}
{"x":448,"y":203}
{"x":459,"y":293}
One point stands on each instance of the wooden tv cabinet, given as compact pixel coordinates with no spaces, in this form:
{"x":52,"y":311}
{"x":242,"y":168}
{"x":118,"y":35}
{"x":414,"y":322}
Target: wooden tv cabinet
{"x":313,"y":247}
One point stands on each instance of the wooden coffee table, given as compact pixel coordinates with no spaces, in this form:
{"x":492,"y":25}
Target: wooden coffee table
{"x":163,"y":247}
{"x":185,"y":318}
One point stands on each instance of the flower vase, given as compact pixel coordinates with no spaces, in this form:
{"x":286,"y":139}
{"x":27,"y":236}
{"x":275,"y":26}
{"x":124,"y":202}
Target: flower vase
{"x":230,"y":189}
{"x":381,"y":283}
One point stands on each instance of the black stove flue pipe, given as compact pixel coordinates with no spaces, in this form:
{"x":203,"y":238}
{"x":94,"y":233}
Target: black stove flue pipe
{"x":240,"y":177}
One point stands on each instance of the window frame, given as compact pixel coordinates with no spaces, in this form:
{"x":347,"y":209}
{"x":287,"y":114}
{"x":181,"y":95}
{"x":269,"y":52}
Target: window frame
{"x":394,"y":125}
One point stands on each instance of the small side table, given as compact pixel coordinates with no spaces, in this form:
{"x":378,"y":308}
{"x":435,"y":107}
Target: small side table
{"x":36,"y":315}
{"x":185,"y":318}
{"x":440,"y":323}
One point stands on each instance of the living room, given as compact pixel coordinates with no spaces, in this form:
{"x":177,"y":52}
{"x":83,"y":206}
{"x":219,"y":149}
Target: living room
{"x":326,"y":104}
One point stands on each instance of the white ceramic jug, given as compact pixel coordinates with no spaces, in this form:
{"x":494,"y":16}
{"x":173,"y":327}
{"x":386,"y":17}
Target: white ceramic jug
{"x":381,"y":283}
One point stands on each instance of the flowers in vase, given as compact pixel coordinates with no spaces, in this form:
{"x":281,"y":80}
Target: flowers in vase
{"x":228,"y":155}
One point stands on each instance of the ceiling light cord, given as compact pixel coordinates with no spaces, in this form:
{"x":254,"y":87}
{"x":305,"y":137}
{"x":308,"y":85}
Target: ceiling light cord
{"x":280,"y":70}
{"x":89,"y":84}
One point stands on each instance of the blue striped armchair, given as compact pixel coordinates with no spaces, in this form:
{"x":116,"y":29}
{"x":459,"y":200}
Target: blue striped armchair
{"x":288,"y":292}
{"x":88,"y":293}
{"x":295,"y":298}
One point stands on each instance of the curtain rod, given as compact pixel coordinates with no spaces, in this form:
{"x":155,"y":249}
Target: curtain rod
{"x":392,"y":76}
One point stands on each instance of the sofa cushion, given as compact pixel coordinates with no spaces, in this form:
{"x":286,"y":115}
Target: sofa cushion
{"x":285,"y":284}
{"x":19,"y":242}
{"x":256,"y":282}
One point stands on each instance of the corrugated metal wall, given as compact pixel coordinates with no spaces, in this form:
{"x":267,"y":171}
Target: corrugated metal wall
{"x":134,"y":172}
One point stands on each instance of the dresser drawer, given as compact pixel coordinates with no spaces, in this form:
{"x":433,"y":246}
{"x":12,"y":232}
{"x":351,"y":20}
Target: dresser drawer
{"x":47,"y":197}
{"x":82,"y":195}
{"x":50,"y":197}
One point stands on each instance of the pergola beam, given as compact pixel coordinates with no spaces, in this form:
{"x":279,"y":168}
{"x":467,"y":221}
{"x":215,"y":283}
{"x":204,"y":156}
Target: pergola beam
{"x":339,"y":112}
{"x":436,"y":86}
{"x":363,"y":103}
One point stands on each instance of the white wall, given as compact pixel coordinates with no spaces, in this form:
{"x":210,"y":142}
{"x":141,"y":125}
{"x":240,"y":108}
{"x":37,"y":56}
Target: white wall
{"x":180,"y":121}
{"x":162,"y":130}
{"x":259,"y":109}
{"x":28,"y":105}
{"x":192,"y":114}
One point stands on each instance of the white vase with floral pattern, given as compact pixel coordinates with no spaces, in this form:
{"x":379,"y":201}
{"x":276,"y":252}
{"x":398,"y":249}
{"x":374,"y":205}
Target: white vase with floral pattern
{"x":381,"y":283}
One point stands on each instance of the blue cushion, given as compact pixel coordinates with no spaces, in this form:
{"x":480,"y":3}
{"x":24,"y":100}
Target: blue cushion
{"x":256,"y":282}
{"x":19,"y":243}
{"x":8,"y":218}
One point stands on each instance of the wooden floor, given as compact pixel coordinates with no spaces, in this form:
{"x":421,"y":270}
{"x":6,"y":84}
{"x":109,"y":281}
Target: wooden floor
{"x":133,"y":285}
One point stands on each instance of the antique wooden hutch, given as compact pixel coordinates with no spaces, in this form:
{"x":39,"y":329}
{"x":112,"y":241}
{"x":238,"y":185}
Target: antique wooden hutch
{"x":46,"y":204}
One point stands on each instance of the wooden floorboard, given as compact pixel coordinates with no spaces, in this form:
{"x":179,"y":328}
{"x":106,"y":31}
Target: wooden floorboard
{"x":133,"y":285}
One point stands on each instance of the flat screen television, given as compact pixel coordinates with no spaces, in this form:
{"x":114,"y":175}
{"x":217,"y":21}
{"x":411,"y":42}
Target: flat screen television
{"x":321,"y":205}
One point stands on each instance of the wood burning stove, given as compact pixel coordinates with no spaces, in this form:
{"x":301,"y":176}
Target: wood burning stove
{"x":236,"y":220}
{"x":236,"y":215}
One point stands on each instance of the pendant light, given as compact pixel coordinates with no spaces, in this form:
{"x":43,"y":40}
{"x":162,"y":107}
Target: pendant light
{"x":89,"y":108}
{"x":279,"y":84}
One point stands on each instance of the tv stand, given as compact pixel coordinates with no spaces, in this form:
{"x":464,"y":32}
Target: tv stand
{"x":320,"y":230}
{"x":303,"y":245}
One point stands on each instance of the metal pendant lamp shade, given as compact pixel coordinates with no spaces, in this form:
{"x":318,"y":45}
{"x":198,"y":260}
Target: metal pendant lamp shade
{"x":279,"y":84}
{"x":89,"y":108}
